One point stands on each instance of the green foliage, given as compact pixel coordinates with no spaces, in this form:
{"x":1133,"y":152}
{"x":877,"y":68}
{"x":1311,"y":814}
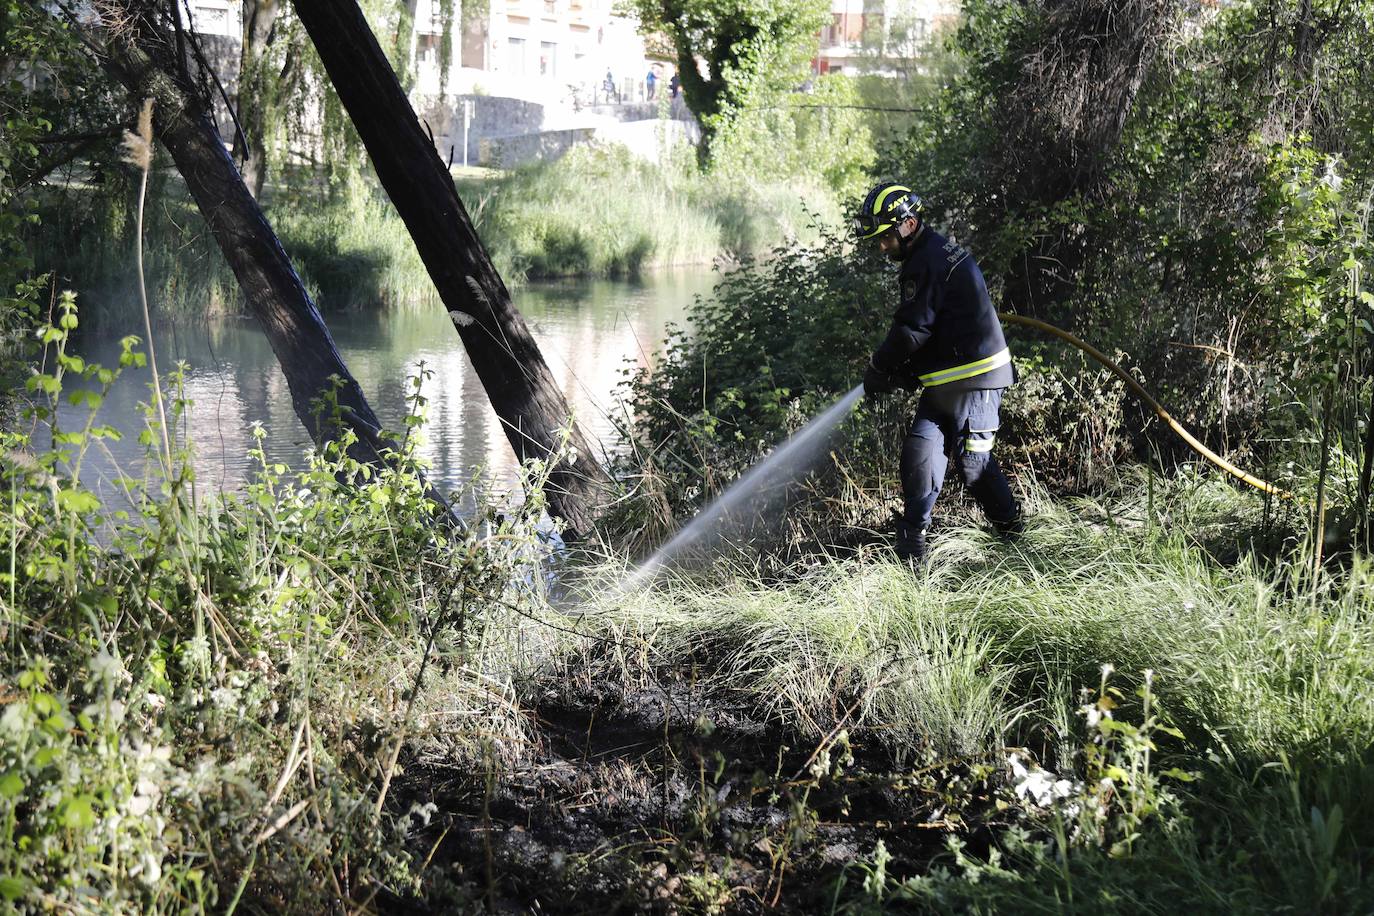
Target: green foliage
{"x":348,"y":245}
{"x":560,"y":219}
{"x":205,"y":699}
{"x":1237,"y":290}
{"x":777,"y":340}
{"x":747,"y":45}
{"x":1221,"y":247}
{"x":775,"y":133}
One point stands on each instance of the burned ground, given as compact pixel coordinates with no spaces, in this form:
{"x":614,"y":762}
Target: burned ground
{"x":673,"y":800}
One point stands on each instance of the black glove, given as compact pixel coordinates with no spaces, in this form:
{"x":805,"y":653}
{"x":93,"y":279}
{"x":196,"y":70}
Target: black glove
{"x":878,"y":382}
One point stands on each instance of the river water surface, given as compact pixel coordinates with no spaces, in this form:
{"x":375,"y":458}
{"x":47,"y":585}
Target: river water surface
{"x":590,"y":332}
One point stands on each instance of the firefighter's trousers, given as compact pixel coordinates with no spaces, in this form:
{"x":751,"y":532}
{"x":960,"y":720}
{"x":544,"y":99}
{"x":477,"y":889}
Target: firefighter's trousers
{"x":958,"y":425}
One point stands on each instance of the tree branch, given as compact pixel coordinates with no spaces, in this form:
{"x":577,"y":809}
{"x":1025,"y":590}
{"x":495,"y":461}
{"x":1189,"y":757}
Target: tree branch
{"x":98,"y":133}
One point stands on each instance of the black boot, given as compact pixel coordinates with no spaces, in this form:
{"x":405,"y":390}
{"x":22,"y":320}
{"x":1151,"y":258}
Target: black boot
{"x":1011,"y":528}
{"x":911,"y":542}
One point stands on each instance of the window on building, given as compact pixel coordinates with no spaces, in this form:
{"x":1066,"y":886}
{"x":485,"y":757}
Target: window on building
{"x":427,"y":50}
{"x":548,"y":59}
{"x":515,"y":56}
{"x":211,"y":17}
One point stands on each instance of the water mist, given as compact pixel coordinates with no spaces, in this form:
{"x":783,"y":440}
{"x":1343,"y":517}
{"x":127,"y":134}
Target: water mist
{"x":753,"y":500}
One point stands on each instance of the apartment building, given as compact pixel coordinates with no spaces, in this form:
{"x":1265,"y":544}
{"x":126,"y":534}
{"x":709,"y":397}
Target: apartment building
{"x":862,"y":34}
{"x":546,"y":51}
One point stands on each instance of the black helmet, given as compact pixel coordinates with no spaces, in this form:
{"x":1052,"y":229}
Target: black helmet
{"x":885,"y":206}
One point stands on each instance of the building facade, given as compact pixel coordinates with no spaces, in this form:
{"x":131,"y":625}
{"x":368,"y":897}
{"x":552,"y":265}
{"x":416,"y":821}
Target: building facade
{"x":864,"y":35}
{"x":575,"y":52}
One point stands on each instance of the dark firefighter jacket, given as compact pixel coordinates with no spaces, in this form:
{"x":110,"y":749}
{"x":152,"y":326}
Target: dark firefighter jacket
{"x":945,"y":331}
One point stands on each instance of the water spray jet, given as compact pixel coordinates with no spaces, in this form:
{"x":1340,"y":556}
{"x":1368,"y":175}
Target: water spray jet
{"x":751,"y":500}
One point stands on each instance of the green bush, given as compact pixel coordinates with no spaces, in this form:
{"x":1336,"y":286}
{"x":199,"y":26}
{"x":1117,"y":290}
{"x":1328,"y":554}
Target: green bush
{"x":600,"y":211}
{"x":206,"y":699}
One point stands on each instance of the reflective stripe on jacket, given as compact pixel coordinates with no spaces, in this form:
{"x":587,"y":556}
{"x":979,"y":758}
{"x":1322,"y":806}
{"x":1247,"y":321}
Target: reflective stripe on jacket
{"x":945,"y":331}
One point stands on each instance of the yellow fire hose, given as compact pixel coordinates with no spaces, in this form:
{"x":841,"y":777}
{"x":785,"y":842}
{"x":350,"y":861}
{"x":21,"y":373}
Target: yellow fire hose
{"x":1145,"y":396}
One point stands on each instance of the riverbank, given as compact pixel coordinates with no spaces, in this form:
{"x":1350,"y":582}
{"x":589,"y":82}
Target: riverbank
{"x":301,"y":695}
{"x":597,"y":212}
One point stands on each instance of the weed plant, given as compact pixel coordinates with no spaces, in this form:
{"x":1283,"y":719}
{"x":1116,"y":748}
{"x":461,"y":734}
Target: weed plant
{"x":207,"y":696}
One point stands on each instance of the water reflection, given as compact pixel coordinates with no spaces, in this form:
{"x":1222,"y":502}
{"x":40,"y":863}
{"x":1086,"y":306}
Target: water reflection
{"x":586,"y":329}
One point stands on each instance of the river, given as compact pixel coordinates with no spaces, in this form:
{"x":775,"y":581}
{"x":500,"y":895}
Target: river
{"x":590,"y":332}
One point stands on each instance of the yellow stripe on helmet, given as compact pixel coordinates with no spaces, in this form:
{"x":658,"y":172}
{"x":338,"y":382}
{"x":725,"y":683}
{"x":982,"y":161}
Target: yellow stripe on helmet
{"x":886,"y":195}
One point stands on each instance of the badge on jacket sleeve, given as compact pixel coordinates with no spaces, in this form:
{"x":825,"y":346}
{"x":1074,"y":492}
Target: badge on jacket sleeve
{"x":908,"y":290}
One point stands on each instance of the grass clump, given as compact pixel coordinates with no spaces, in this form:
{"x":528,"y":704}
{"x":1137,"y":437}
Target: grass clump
{"x":1208,"y":722}
{"x":600,"y":211}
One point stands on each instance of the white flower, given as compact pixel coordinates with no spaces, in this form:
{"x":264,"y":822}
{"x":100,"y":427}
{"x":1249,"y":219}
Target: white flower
{"x":151,"y":868}
{"x":1038,"y":785}
{"x":1332,"y":178}
{"x":106,"y":667}
{"x":462,"y":319}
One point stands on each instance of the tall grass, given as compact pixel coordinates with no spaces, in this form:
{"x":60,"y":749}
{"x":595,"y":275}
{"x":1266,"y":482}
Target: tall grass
{"x":599,"y":211}
{"x":1267,"y":672}
{"x":349,"y":247}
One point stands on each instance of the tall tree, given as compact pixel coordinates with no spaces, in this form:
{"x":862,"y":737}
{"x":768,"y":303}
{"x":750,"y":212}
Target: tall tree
{"x":1061,"y":79}
{"x":504,"y":353}
{"x":739,"y":41}
{"x":259,"y":79}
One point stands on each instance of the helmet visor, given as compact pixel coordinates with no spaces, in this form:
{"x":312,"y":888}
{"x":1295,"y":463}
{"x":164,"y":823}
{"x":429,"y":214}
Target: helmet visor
{"x":868,"y":225}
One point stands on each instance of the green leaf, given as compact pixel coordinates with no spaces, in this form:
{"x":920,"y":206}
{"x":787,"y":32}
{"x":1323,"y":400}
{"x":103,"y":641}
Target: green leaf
{"x":11,"y":784}
{"x":79,"y":501}
{"x":78,"y":812}
{"x":13,"y":887}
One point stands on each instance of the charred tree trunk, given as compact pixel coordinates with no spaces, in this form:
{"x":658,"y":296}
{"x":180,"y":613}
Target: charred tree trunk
{"x":505,"y":355}
{"x":257,"y":92}
{"x":139,"y":53}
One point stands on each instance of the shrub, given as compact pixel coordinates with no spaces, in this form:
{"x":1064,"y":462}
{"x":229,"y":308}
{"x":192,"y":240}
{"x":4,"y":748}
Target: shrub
{"x":206,"y":700}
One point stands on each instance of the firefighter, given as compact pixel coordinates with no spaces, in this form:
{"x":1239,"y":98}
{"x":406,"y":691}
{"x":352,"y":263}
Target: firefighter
{"x":947,"y":340}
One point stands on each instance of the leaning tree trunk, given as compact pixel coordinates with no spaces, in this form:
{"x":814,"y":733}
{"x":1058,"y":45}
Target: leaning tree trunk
{"x":138,"y":55}
{"x":505,"y":355}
